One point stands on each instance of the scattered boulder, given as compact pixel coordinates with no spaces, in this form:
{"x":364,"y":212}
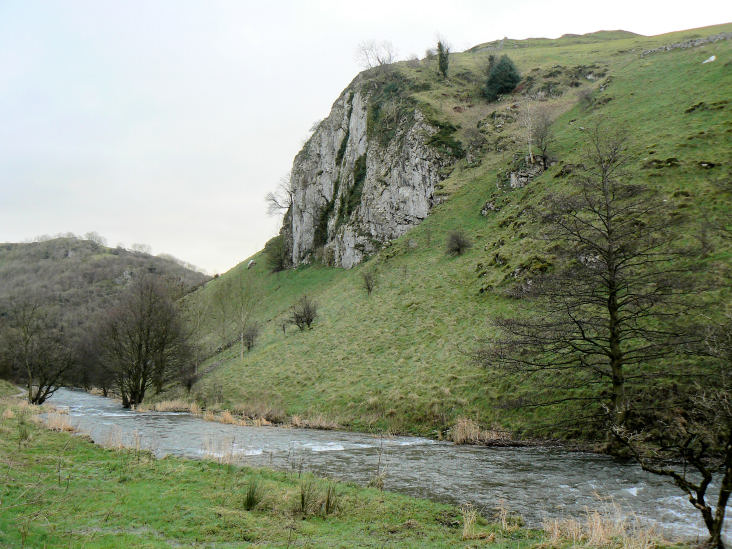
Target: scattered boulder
{"x":489,"y":207}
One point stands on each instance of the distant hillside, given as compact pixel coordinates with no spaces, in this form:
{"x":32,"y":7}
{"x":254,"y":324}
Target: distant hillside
{"x":397,"y":360}
{"x":77,"y":278}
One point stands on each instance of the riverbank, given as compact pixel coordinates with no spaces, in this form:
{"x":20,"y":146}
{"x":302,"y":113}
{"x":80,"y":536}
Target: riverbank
{"x":61,"y":489}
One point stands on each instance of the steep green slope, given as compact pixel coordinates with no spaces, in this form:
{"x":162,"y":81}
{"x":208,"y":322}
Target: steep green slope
{"x":398,"y":360}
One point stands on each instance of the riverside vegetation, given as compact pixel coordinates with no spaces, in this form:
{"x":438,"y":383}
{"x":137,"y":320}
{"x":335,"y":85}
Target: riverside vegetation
{"x":61,"y":490}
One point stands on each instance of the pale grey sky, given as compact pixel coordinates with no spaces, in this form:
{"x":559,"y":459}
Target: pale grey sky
{"x":166,"y":121}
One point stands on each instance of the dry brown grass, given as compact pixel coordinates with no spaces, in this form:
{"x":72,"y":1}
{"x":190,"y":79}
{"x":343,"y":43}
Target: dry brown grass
{"x":195,"y":409}
{"x":58,"y":421}
{"x":467,"y":431}
{"x":603,"y":530}
{"x":165,"y":406}
{"x":256,"y":410}
{"x":316,"y":422}
{"x":8,"y":413}
{"x":209,"y":416}
{"x":226,"y":417}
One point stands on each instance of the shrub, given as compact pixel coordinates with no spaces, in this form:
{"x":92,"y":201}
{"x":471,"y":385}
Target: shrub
{"x":304,"y":312}
{"x":443,"y":58}
{"x":253,"y":495}
{"x":369,"y":281}
{"x":457,"y":243}
{"x":250,"y":335}
{"x":503,"y":78}
{"x":274,"y":251}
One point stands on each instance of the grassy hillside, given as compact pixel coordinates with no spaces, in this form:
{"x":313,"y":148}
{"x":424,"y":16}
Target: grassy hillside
{"x":397,"y":360}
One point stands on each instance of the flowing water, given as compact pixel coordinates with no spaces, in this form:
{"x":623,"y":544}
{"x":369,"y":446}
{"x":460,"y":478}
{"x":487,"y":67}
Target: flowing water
{"x":537,"y":483}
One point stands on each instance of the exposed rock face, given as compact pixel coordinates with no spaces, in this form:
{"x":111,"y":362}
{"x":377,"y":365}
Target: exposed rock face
{"x":353,"y":190}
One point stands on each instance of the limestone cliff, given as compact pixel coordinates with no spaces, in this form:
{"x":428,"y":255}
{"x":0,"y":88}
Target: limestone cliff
{"x":366,"y":175}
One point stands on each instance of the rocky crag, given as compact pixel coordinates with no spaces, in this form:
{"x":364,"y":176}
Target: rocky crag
{"x":367,"y":174}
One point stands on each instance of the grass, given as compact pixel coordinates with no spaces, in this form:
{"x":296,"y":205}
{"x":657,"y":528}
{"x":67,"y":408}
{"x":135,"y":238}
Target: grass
{"x":60,"y":490}
{"x":398,"y":360}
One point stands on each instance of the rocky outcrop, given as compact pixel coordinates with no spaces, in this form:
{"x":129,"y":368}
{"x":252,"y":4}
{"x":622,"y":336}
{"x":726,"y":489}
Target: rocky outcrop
{"x":356,"y":186}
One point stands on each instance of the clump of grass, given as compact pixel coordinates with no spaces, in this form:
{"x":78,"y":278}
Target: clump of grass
{"x":509,"y":522}
{"x":467,"y":431}
{"x":469,"y":517}
{"x":57,"y":421}
{"x":195,"y":409}
{"x":254,"y":493}
{"x":604,"y":530}
{"x":24,"y":433}
{"x":331,"y":499}
{"x":307,"y":496}
{"x":226,"y":417}
{"x":8,"y":413}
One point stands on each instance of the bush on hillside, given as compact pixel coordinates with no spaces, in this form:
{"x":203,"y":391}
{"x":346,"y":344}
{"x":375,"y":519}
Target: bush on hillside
{"x":274,"y":251}
{"x":503,"y":78}
{"x":457,"y":243}
{"x":304,"y":312}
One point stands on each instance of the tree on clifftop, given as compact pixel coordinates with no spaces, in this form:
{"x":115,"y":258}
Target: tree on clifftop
{"x":503,"y":78}
{"x":443,"y":57}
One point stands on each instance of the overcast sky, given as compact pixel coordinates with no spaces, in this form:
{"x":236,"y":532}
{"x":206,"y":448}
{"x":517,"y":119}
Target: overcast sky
{"x":165,"y":122}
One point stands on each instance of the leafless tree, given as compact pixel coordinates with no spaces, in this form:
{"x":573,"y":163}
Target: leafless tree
{"x":543,"y":136}
{"x":246,"y":297}
{"x":36,"y":349}
{"x":370,"y":54}
{"x":600,"y":325}
{"x":142,"y":341}
{"x":685,"y":433}
{"x":527,"y":115}
{"x":280,"y":200}
{"x":304,"y":312}
{"x":251,"y":334}
{"x":368,"y":278}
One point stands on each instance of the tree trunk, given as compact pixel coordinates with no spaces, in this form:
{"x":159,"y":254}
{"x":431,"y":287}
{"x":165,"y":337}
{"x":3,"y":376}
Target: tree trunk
{"x":715,"y":532}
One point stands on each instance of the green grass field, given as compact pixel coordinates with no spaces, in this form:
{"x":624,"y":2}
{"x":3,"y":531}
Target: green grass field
{"x":398,"y":360}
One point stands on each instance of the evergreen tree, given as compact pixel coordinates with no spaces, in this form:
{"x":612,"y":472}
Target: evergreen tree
{"x":443,"y":59}
{"x":503,"y":78}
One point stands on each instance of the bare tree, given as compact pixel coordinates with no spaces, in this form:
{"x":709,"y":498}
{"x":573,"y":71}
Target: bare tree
{"x":368,"y":278}
{"x":685,"y":433}
{"x":600,"y":325}
{"x":304,"y":312}
{"x":251,"y":334}
{"x":142,"y":341}
{"x":527,"y":117}
{"x":280,"y":200}
{"x":543,"y":136}
{"x":370,"y":54}
{"x":246,"y":298}
{"x":36,"y":349}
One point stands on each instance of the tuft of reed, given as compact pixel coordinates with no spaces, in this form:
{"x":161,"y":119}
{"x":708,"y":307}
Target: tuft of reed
{"x":307,"y":496}
{"x":604,"y":530}
{"x":226,"y":417}
{"x":58,"y":421}
{"x":253,"y":494}
{"x":331,"y":499}
{"x":467,"y":431}
{"x":470,"y":515}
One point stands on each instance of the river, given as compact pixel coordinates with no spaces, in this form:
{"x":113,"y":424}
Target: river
{"x":536,"y":483}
